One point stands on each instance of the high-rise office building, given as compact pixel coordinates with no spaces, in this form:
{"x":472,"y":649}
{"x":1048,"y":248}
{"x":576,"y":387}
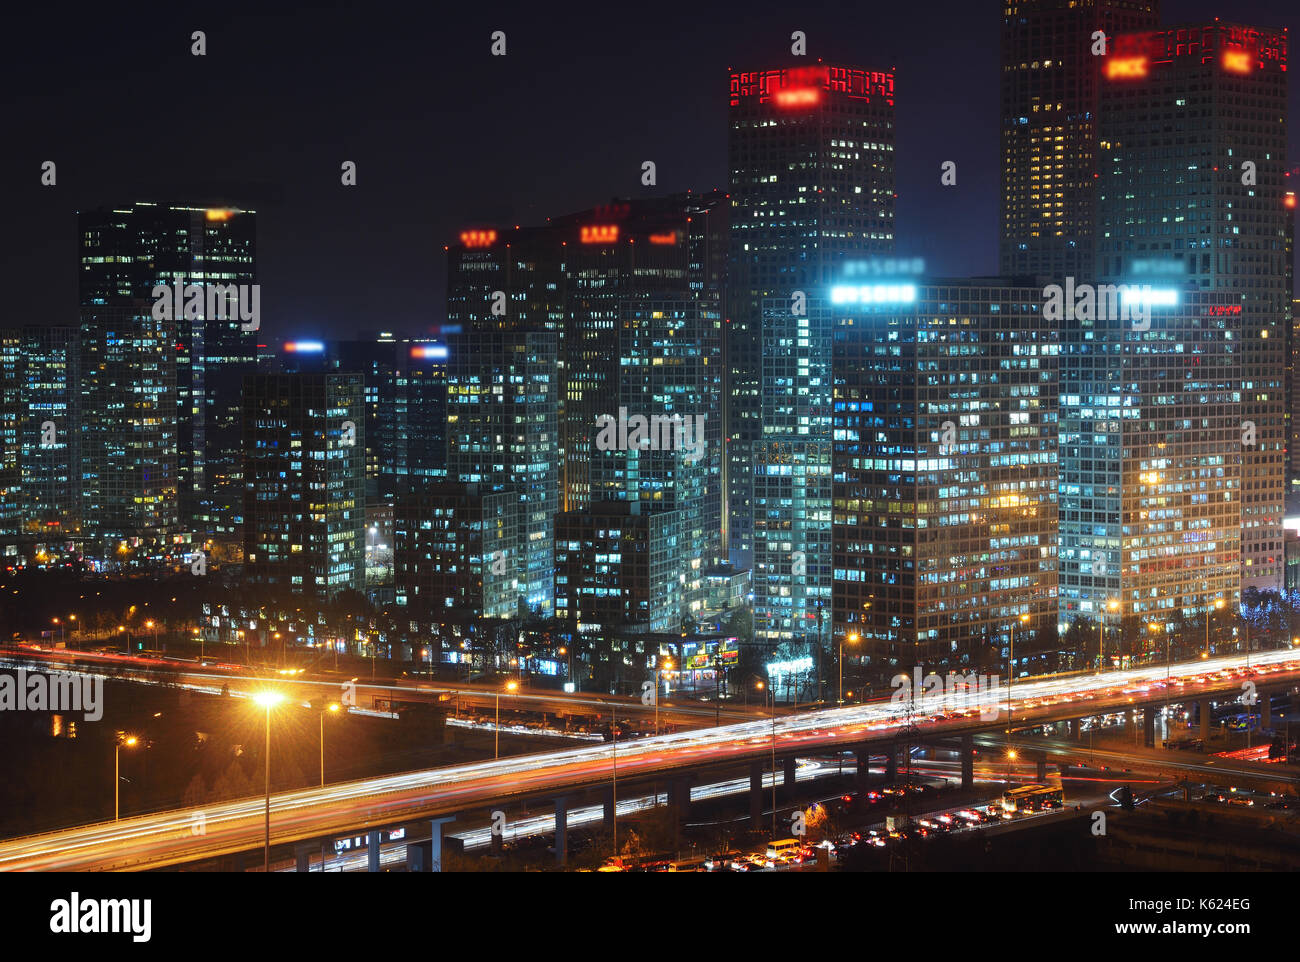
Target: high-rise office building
{"x":12,"y":417}
{"x":617,"y":570}
{"x":1193,"y":183}
{"x":502,"y":434}
{"x":304,"y":469}
{"x":1050,"y":85}
{"x":406,"y":403}
{"x":792,"y":484}
{"x":449,"y":548}
{"x":125,"y":254}
{"x":811,"y":158}
{"x":49,"y":438}
{"x":129,"y":506}
{"x":576,"y":280}
{"x":945,"y":476}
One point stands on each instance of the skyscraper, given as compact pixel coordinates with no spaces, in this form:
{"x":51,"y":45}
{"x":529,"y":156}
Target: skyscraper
{"x":1050,"y":82}
{"x":502,"y":434}
{"x":50,"y":439}
{"x":304,"y":467}
{"x":1193,"y":182}
{"x":792,"y":483}
{"x":811,"y":158}
{"x":125,"y":254}
{"x":945,"y":477}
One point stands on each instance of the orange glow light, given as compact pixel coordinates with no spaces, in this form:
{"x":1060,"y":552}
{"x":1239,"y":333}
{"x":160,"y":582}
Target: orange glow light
{"x":669,"y":238}
{"x":600,"y":234}
{"x":1126,"y":67}
{"x":798,"y":97}
{"x":478,"y":238}
{"x":1290,"y":200}
{"x":218,"y":214}
{"x":1236,"y":61}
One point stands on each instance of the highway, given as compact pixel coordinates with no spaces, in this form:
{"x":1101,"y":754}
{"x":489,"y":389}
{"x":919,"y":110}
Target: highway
{"x":188,"y":835}
{"x":323,"y":685}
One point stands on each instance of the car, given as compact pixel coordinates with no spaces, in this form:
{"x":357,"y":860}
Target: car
{"x":720,"y":861}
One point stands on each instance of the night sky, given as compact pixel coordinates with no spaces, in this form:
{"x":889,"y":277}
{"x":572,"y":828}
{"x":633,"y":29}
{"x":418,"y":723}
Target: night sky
{"x":447,"y":136}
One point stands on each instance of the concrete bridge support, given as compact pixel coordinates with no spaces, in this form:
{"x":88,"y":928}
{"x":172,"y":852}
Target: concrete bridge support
{"x":372,"y":850}
{"x":302,"y":858}
{"x":1149,"y":725}
{"x":891,"y":763}
{"x":1265,"y":709}
{"x":862,"y":754}
{"x":1203,"y":708}
{"x":967,"y":761}
{"x":791,"y":772}
{"x":1040,"y":768}
{"x":755,"y":795}
{"x":1074,"y":729}
{"x":561,"y":829}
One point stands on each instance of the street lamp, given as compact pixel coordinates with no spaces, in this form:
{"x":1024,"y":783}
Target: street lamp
{"x":760,"y":687}
{"x":853,"y":640}
{"x":121,"y":630}
{"x":667,"y":666}
{"x":511,"y":686}
{"x":1011,"y":674}
{"x":1209,"y":613}
{"x":1111,"y":605}
{"x":333,"y":707}
{"x":199,"y":635}
{"x":130,"y":741}
{"x":268,"y":700}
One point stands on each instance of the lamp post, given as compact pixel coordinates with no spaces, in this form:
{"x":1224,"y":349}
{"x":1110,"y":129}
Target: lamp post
{"x":199,"y":635}
{"x":511,"y":686}
{"x":1209,"y":613}
{"x":73,"y":619}
{"x":1112,"y":606}
{"x":126,"y":638}
{"x":667,"y":666}
{"x":268,"y":700}
{"x":1011,"y":678}
{"x":1155,"y":629}
{"x":333,"y":707}
{"x":130,"y":741}
{"x":853,"y":640}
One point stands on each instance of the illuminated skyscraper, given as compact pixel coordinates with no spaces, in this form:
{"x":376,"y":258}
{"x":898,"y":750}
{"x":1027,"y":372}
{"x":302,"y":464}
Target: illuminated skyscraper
{"x":1192,"y":196}
{"x":125,"y":254}
{"x":1050,"y":88}
{"x":49,"y":438}
{"x":502,"y":434}
{"x":792,"y":483}
{"x":304,"y":505}
{"x":945,"y":477}
{"x":811,"y":156}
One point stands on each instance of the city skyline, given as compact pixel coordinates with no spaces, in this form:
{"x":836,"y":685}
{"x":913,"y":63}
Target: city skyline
{"x":554,"y":409}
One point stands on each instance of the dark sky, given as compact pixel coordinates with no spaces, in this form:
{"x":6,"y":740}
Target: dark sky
{"x":446,"y":135}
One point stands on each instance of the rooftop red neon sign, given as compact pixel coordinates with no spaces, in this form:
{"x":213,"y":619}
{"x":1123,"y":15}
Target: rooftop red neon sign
{"x":669,"y":238}
{"x":600,"y":234}
{"x":478,"y":238}
{"x":1118,"y":68}
{"x":1237,"y":61}
{"x":798,"y":97}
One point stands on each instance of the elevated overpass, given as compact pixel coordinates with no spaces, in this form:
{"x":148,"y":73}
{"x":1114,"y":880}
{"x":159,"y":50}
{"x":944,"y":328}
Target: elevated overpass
{"x":199,"y":834}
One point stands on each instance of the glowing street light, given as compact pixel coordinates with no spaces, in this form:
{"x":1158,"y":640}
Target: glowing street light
{"x":332,"y":707}
{"x":853,"y":640}
{"x":130,"y":741}
{"x":268,"y":700}
{"x":511,"y":686}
